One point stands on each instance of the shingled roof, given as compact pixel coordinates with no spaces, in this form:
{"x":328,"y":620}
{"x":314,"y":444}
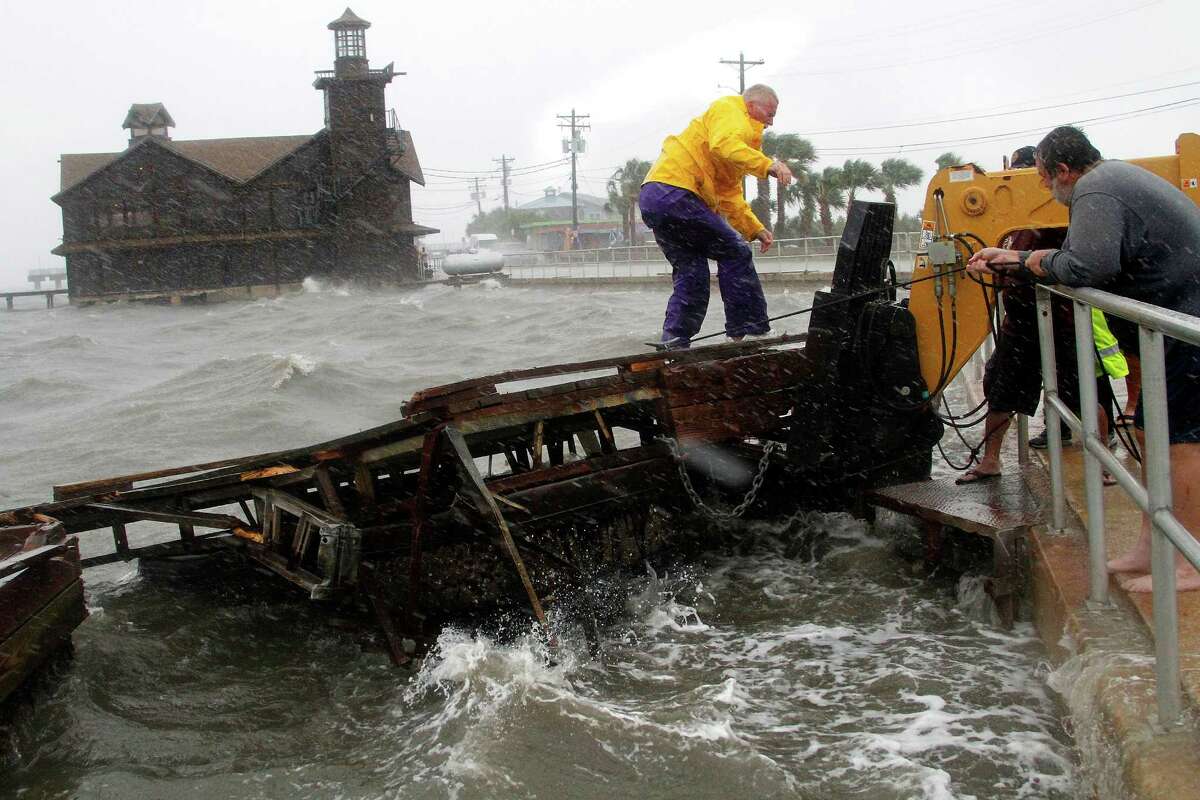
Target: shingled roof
{"x":148,"y":115}
{"x":348,"y":19}
{"x":239,"y":159}
{"x":407,"y":163}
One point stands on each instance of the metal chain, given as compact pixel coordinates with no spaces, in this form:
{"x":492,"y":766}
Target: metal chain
{"x":716,"y":513}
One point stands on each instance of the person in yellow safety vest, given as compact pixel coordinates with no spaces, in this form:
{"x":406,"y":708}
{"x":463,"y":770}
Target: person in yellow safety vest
{"x":1108,"y":351}
{"x":692,"y":200}
{"x":1111,"y":363}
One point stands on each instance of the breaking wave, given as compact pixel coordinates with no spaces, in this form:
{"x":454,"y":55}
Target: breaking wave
{"x":291,"y":365}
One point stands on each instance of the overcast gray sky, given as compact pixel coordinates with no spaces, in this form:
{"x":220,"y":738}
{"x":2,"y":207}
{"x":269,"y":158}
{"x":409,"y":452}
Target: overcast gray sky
{"x":488,"y":78}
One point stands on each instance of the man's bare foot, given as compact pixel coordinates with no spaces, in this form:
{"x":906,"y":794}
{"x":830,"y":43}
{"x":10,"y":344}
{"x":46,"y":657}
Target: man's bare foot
{"x":1135,"y":561}
{"x":1186,"y":580}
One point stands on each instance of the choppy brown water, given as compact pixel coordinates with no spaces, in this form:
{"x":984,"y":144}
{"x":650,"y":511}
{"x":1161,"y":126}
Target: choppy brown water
{"x":755,"y":672}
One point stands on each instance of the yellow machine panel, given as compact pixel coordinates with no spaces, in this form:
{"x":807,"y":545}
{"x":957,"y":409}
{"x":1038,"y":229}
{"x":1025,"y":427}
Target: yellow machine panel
{"x":966,"y":209}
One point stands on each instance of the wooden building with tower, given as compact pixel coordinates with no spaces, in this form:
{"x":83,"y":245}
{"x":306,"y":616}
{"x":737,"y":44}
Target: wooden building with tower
{"x":252,"y":216}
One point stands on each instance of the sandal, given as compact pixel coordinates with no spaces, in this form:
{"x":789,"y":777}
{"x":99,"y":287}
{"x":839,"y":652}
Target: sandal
{"x":1107,"y":479}
{"x":973,"y":475}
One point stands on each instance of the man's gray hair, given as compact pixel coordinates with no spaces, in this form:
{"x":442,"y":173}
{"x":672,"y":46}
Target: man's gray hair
{"x":761,"y":93}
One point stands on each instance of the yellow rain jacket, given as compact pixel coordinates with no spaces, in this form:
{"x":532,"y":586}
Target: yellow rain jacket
{"x":711,"y":157}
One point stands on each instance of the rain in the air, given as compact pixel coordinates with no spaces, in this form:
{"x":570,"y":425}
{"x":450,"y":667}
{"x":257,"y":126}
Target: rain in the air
{"x":566,"y":400}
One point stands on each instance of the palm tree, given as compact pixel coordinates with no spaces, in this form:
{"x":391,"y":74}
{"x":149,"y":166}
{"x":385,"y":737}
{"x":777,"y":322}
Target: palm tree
{"x":804,"y":192}
{"x":799,"y":154}
{"x":828,"y":193}
{"x":859,"y":174}
{"x":948,"y":160}
{"x":897,"y":173}
{"x":623,"y":189}
{"x":795,"y":151}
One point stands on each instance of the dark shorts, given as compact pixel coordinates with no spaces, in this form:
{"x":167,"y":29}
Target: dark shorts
{"x":1012,"y":378}
{"x":1182,"y":364}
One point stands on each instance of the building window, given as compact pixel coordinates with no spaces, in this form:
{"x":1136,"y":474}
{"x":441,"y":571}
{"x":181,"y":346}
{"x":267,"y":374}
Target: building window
{"x":350,"y":43}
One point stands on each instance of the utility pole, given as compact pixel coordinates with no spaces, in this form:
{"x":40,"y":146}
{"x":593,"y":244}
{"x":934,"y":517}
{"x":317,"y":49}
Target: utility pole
{"x":575,"y":145}
{"x":504,"y":160}
{"x":477,"y":196}
{"x":742,"y":64}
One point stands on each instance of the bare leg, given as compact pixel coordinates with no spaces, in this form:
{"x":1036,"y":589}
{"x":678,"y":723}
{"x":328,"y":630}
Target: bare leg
{"x":1185,"y":496}
{"x":994,"y":429}
{"x":1137,"y":558}
{"x":1102,"y":424}
{"x":1133,"y":384}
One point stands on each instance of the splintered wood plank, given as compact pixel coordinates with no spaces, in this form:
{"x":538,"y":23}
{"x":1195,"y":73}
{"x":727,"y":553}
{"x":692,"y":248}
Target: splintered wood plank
{"x":365,"y":483}
{"x":120,"y":538}
{"x":370,"y":586}
{"x":517,"y":415}
{"x":82,"y":489}
{"x":300,"y":537}
{"x":728,"y":419}
{"x":268,"y":472}
{"x":27,"y":558}
{"x":736,"y":377}
{"x":430,"y":450}
{"x":524,"y":480}
{"x":196,"y":518}
{"x":329,"y":494}
{"x":607,"y":443}
{"x":539,"y":432}
{"x":439,"y":396}
{"x":589,"y":441}
{"x":276,"y":499}
{"x":648,"y":362}
{"x":250,"y":518}
{"x":486,"y":503}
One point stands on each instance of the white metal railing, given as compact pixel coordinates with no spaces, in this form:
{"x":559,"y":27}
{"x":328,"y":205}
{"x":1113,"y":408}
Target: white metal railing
{"x":1167,"y":534}
{"x":785,"y":255}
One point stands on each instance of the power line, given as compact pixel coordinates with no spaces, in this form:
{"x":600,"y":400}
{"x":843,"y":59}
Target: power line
{"x":896,"y":126}
{"x":491,"y":171}
{"x":512,"y":173}
{"x":434,"y":209}
{"x":1056,"y":32}
{"x":923,"y":27}
{"x":1099,"y":120}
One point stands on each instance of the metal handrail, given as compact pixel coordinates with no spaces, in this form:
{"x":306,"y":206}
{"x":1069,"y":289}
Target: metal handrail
{"x":1167,"y":534}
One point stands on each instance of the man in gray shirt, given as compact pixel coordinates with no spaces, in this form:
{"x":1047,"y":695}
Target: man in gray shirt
{"x":1133,"y":234}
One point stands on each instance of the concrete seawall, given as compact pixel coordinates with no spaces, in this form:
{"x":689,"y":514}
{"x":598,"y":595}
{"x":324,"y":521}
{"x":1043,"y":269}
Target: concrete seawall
{"x":1105,"y":655}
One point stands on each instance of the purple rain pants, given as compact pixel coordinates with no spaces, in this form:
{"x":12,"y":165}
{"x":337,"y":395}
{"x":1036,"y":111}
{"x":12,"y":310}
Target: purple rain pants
{"x":689,"y":234}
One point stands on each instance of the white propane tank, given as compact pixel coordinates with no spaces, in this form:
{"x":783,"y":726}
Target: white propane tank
{"x":480,"y":263}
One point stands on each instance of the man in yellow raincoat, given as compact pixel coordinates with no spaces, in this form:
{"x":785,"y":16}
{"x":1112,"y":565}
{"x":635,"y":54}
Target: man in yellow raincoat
{"x":692,"y":200}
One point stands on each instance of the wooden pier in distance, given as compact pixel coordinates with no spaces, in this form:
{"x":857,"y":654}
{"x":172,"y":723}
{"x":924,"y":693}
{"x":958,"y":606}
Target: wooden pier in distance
{"x":47,"y":293}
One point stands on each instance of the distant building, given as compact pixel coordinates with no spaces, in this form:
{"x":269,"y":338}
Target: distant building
{"x":598,"y":227}
{"x":248,"y":216}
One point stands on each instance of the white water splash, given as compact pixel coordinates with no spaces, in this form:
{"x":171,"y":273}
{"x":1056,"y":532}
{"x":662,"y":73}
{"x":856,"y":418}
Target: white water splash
{"x":314,"y":286}
{"x":287,"y":367}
